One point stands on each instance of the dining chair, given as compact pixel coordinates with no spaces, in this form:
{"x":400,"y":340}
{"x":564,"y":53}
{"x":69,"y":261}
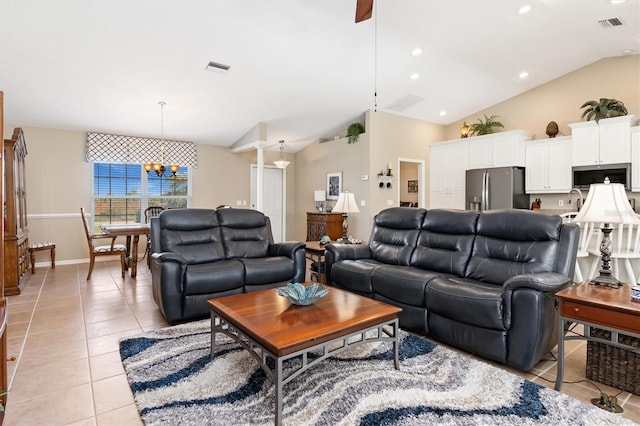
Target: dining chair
{"x":150,"y":212}
{"x":586,"y":235}
{"x":112,"y":249}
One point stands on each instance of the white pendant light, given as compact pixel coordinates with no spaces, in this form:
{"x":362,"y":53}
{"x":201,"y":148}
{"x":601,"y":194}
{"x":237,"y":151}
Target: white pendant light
{"x":281,"y":163}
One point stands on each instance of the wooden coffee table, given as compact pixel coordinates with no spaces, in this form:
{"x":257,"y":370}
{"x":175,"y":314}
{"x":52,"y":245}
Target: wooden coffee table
{"x":269,"y":326}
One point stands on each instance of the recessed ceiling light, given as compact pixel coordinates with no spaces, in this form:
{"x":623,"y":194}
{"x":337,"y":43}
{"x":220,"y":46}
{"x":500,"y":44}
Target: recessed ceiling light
{"x":443,"y":113}
{"x":523,"y":74}
{"x":414,"y":76}
{"x":416,"y":52}
{"x":524,"y":9}
{"x":617,"y":1}
{"x":628,"y":52}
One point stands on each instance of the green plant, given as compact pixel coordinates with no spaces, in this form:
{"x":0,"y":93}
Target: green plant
{"x":353,"y":132}
{"x":605,"y":108}
{"x":486,"y":127}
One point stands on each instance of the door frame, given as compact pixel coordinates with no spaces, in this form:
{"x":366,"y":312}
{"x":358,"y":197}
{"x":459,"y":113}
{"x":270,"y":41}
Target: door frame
{"x":422,"y":199}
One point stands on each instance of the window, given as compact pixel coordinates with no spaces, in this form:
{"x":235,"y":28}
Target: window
{"x":121,"y":192}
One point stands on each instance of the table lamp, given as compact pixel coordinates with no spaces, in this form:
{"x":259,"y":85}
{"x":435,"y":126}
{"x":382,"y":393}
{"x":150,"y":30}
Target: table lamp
{"x":319,"y":197}
{"x":607,"y":204}
{"x":346,"y":204}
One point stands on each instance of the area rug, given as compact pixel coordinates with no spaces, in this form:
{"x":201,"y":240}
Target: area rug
{"x":175,"y":382}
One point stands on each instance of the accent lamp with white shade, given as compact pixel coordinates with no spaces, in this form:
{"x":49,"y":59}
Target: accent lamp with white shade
{"x":346,"y":204}
{"x":607,"y":203}
{"x":319,"y":196}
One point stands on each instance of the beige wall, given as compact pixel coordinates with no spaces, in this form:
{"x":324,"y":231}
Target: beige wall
{"x":59,"y":183}
{"x":560,"y":100}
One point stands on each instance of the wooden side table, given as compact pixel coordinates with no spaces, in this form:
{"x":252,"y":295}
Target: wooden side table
{"x":315,"y":253}
{"x":597,"y":306}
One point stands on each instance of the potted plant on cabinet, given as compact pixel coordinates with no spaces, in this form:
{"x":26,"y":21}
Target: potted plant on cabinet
{"x":353,"y":132}
{"x":485,"y":127}
{"x":605,"y":108}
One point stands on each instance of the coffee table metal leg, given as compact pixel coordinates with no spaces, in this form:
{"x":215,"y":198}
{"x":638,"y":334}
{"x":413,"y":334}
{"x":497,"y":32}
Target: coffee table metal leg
{"x":279,"y":386}
{"x":213,"y":334}
{"x":396,"y":346}
{"x":560,"y":363}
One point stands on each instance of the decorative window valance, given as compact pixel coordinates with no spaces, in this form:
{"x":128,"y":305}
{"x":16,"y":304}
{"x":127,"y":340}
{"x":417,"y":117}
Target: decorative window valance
{"x":107,"y":148}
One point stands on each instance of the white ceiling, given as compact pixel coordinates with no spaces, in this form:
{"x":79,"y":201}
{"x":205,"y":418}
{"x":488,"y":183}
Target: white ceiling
{"x":301,"y":66}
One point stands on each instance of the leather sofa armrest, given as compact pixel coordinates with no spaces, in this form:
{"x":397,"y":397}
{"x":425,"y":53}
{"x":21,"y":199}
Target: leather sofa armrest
{"x":167,"y":274}
{"x":337,"y":252}
{"x":287,"y":248}
{"x":348,"y":251}
{"x":545,"y":282}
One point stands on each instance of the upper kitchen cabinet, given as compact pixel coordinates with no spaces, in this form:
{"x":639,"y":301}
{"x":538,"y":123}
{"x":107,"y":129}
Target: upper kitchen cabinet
{"x":447,"y":166}
{"x":548,"y":168}
{"x":606,"y":142}
{"x":502,"y":149}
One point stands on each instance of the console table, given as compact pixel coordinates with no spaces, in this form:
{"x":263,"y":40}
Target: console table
{"x":601,"y":307}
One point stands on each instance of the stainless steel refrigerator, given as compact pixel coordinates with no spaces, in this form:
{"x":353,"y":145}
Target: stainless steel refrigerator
{"x":496,"y":188}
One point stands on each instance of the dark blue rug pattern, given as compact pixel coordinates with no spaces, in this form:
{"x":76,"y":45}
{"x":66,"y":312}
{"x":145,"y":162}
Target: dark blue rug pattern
{"x":174,"y":381}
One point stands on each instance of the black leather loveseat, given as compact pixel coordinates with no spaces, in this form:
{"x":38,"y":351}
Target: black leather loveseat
{"x":200,"y":254}
{"x":483,"y":282}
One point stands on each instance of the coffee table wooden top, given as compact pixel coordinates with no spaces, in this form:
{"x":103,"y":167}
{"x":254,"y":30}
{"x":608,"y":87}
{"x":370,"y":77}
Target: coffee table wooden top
{"x":283,"y":328}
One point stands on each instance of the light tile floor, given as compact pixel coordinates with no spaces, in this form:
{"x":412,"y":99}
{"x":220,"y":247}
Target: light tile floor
{"x":64,"y":331}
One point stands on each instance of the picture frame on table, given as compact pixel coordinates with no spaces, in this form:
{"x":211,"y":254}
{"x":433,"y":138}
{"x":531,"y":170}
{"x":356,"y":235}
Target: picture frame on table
{"x":334,"y":185}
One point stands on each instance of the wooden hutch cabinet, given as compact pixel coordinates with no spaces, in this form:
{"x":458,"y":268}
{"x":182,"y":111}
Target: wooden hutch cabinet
{"x":319,"y":224}
{"x":17,"y":269}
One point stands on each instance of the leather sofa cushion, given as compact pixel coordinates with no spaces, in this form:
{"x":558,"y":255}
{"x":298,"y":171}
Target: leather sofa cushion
{"x":222,"y":275}
{"x":466,"y":301}
{"x":394,"y":235}
{"x":192,"y":233}
{"x":403,"y":284}
{"x":514,"y":242}
{"x":246,"y":233}
{"x":266,"y":270}
{"x":354,"y":275}
{"x":446,"y":241}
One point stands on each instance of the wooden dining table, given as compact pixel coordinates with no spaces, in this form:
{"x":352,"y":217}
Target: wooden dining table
{"x":129,"y":230}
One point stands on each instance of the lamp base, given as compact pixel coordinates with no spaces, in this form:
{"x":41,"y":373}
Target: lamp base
{"x":605,"y":280}
{"x":343,"y":241}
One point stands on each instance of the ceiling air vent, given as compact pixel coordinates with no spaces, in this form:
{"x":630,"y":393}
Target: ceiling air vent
{"x":609,"y":23}
{"x":211,"y":66}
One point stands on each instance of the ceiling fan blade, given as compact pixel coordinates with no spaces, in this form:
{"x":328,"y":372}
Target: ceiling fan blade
{"x":364,"y":8}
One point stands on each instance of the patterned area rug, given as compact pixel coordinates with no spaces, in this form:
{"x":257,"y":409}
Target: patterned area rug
{"x":175,"y":382}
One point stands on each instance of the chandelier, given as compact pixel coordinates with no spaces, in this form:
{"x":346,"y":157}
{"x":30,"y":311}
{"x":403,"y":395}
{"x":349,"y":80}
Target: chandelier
{"x":159,"y":167}
{"x":281,"y":163}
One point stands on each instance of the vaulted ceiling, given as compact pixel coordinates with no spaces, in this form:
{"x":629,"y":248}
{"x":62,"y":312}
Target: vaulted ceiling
{"x":303,"y":67}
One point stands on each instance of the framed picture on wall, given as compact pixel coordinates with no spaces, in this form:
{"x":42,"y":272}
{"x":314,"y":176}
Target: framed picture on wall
{"x":412,"y":186}
{"x":334,"y":185}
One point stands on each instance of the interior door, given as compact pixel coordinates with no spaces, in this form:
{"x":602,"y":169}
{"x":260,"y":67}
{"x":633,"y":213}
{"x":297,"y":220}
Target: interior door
{"x":273,"y":198}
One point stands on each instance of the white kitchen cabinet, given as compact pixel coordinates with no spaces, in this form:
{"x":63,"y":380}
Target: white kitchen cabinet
{"x":448,"y":162}
{"x":635,"y":159}
{"x":606,"y":142}
{"x":548,"y":165}
{"x":502,"y":149}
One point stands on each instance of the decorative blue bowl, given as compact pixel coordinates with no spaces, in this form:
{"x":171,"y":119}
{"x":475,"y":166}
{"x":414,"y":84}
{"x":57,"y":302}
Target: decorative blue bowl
{"x":301,"y":295}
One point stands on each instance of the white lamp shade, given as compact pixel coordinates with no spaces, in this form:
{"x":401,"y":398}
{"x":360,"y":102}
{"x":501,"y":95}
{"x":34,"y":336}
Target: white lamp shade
{"x":346,"y":203}
{"x":319,"y":195}
{"x":607,"y":203}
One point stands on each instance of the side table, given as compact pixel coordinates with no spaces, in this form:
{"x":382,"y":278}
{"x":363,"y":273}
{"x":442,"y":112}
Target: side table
{"x":315,"y":253}
{"x":597,"y":306}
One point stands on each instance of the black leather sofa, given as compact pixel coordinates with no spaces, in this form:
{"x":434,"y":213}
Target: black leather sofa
{"x":483,"y":282}
{"x":200,"y":254}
